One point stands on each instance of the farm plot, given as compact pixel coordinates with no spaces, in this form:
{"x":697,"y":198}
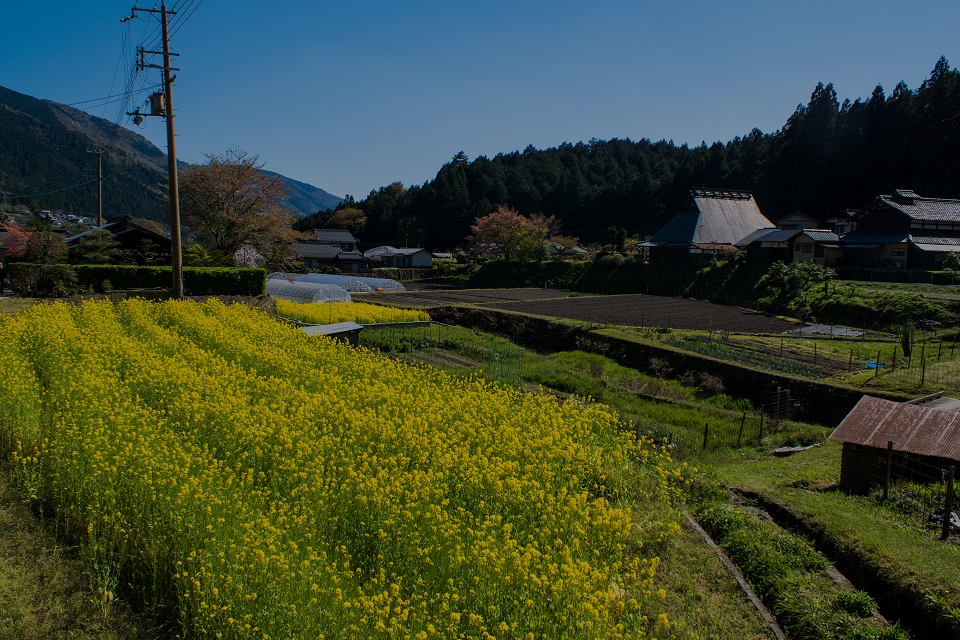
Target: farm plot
{"x":636,"y":310}
{"x":427,"y":298}
{"x":654,"y":311}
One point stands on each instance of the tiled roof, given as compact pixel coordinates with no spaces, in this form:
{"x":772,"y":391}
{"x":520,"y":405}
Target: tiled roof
{"x":919,"y":208}
{"x":317,"y":250}
{"x":939,"y":240}
{"x":821,"y":235}
{"x":334,"y":236}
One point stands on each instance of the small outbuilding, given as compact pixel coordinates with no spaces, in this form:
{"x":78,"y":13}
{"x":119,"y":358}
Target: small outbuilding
{"x":925,"y":441}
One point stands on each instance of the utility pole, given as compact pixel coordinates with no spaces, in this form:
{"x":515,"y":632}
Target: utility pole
{"x":162,"y":105}
{"x":99,"y":154}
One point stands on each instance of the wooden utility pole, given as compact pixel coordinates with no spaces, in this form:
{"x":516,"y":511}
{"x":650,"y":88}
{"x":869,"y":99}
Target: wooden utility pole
{"x":99,"y":154}
{"x":164,"y":109}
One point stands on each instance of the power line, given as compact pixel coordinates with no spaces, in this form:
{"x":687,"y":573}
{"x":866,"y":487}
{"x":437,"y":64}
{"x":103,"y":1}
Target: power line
{"x":47,"y":193}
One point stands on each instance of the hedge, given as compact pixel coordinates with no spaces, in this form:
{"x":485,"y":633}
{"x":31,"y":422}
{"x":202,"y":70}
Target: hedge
{"x":197,"y":281}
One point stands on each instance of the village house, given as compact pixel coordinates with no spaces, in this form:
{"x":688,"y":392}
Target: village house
{"x":403,"y":258}
{"x":710,"y":224}
{"x":131,"y":235}
{"x":793,"y":245}
{"x":336,"y":248}
{"x":903,"y":230}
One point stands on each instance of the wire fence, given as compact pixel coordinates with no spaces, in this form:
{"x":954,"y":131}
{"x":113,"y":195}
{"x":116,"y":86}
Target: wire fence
{"x":918,"y":488}
{"x":751,"y":429}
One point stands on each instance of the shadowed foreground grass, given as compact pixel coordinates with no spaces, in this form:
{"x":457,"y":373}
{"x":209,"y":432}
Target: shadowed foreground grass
{"x":43,"y":590}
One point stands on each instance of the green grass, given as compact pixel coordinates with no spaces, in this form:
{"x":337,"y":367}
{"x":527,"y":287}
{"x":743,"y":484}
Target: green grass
{"x":910,"y":554}
{"x":43,"y":586}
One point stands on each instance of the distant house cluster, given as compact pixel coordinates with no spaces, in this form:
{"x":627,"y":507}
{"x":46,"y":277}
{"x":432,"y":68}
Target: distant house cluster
{"x":337,"y":248}
{"x":902,"y":230}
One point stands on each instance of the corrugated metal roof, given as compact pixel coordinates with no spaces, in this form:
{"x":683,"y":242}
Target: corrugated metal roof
{"x":942,"y":248}
{"x":756,"y":235}
{"x":864,"y":237}
{"x":912,"y":428}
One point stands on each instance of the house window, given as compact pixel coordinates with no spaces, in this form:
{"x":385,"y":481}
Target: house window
{"x":796,"y":247}
{"x":807,"y":248}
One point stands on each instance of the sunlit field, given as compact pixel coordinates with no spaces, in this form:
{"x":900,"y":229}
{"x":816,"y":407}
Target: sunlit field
{"x":359,"y":312}
{"x":256,"y":482}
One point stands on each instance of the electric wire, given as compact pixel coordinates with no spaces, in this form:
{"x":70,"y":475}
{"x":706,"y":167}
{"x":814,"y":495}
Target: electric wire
{"x":46,"y":193}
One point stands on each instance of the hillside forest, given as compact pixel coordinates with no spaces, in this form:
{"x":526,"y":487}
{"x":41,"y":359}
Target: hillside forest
{"x":829,"y":156}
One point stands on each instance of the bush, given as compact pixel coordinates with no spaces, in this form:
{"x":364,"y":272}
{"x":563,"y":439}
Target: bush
{"x":43,"y":279}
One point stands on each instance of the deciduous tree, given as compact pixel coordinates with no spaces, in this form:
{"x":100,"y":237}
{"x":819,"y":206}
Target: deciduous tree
{"x":510,"y":235}
{"x":231,"y":204}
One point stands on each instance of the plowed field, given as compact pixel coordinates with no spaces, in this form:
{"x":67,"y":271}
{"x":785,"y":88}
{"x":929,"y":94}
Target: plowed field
{"x":636,"y":310}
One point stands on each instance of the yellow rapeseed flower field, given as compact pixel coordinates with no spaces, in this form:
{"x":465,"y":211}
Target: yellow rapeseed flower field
{"x":359,"y":312}
{"x":271,"y":485}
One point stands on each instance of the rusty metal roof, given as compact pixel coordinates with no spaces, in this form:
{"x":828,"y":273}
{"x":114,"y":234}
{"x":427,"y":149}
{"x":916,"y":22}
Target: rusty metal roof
{"x":912,"y":429}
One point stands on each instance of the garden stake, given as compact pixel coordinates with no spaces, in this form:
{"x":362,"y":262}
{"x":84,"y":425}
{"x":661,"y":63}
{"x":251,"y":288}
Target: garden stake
{"x":948,"y":504}
{"x":886,"y":479}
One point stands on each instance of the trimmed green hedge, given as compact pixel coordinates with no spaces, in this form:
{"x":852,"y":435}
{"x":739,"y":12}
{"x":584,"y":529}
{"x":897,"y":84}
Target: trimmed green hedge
{"x":197,"y":281}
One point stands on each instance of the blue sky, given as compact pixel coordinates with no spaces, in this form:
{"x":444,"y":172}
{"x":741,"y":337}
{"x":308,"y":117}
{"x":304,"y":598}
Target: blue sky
{"x":353,"y":96}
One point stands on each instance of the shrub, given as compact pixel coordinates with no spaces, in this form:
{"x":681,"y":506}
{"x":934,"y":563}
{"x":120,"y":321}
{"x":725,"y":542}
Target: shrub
{"x":31,"y":279}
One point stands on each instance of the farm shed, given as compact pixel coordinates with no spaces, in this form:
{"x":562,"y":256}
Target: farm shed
{"x":304,"y":292}
{"x":925,"y":441}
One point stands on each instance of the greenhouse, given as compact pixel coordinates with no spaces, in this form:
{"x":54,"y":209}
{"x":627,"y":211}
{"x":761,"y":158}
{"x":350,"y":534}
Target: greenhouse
{"x":305,"y":292}
{"x":353,"y":284}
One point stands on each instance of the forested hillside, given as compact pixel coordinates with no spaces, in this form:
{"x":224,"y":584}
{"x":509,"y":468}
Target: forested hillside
{"x":44,"y":159}
{"x":43,"y":153}
{"x":828,"y":156}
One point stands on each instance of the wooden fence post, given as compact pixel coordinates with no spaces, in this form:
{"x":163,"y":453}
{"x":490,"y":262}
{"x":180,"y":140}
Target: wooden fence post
{"x":886,"y":478}
{"x":850,"y":364}
{"x":923,"y":369}
{"x":893,"y":361}
{"x":876,"y":369}
{"x":760,"y":439}
{"x":948,"y":504}
{"x":743,"y":419}
{"x":706,"y":432}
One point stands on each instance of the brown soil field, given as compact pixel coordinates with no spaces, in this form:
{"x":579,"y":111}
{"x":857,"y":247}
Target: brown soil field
{"x":636,"y":310}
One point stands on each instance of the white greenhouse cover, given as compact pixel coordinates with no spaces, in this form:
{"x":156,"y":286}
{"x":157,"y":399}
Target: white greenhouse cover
{"x":304,"y":292}
{"x":353,"y":284}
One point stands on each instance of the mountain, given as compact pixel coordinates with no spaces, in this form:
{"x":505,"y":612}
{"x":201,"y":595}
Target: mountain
{"x":306,"y":198}
{"x":44,"y":159}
